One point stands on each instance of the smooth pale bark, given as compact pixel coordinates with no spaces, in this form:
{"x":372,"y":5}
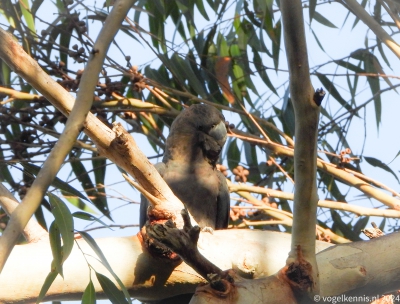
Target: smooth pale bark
{"x":32,"y":232}
{"x":253,"y":254}
{"x":305,"y":151}
{"x":359,"y":268}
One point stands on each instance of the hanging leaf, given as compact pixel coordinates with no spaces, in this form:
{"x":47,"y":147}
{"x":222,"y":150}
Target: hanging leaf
{"x":113,"y":293}
{"x":92,"y":243}
{"x":40,"y":216}
{"x":56,"y":248}
{"x":233,"y":155}
{"x":321,"y":19}
{"x":222,"y":66}
{"x":57,"y":183}
{"x":65,"y":223}
{"x":377,"y":163}
{"x":26,"y":12}
{"x":46,"y":285}
{"x":330,"y":87}
{"x":177,"y":17}
{"x":360,"y":224}
{"x":89,"y":295}
{"x":262,"y":72}
{"x":311,"y":9}
{"x":350,"y":66}
{"x":88,"y":217}
{"x":382,"y":224}
{"x":346,"y":229}
{"x":288,"y":117}
{"x":97,"y":198}
{"x":276,"y":44}
{"x":317,"y":40}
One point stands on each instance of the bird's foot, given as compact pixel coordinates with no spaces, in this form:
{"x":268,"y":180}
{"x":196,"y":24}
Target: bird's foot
{"x":208,"y":229}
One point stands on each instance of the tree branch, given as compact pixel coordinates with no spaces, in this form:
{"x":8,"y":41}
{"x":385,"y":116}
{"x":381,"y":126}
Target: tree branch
{"x":324,"y":166}
{"x":31,"y":201}
{"x":358,"y":210}
{"x":305,"y":153}
{"x":32,"y":232}
{"x":360,"y":12}
{"x":360,"y":268}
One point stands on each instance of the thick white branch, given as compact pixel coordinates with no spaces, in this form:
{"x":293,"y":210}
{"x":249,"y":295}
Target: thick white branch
{"x":360,"y":268}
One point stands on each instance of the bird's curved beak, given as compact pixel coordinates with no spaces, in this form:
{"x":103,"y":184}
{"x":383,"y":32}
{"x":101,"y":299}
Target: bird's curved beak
{"x":218,"y":132}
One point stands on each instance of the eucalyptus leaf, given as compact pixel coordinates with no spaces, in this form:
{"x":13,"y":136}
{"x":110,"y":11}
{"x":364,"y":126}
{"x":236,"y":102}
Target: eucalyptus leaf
{"x":89,"y":295}
{"x":115,"y":295}
{"x":92,"y":243}
{"x":65,"y":223}
{"x":378,"y":163}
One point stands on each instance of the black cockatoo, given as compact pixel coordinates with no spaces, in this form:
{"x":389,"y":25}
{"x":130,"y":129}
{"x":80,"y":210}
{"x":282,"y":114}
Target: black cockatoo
{"x":193,"y":147}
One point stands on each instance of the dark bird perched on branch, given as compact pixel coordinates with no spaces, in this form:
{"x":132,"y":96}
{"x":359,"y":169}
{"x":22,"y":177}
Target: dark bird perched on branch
{"x":193,"y":147}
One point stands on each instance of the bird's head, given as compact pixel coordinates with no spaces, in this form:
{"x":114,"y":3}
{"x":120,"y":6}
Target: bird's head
{"x":202,"y":127}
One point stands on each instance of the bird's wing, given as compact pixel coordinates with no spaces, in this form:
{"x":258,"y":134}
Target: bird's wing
{"x":144,"y":203}
{"x":223,"y":203}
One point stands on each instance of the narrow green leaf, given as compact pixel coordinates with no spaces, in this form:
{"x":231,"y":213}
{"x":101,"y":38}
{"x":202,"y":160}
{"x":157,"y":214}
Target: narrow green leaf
{"x":382,"y":224}
{"x":65,"y":39}
{"x":202,"y":10}
{"x":321,"y":19}
{"x":276,"y":44}
{"x":39,"y":215}
{"x":56,"y":248}
{"x":185,"y":68}
{"x":26,"y":12}
{"x":223,"y":47}
{"x":233,"y":155}
{"x":6,"y":73}
{"x":157,"y":75}
{"x":360,"y":224}
{"x":206,"y":48}
{"x":288,"y":117}
{"x":350,"y":66}
{"x":330,"y":87}
{"x":262,"y":72}
{"x":311,"y":9}
{"x":88,"y":217}
{"x":92,"y":243}
{"x":89,"y":295}
{"x":177,"y":18}
{"x":5,"y":174}
{"x":57,"y":183}
{"x":114,"y":294}
{"x":380,"y":48}
{"x":331,"y":185}
{"x":372,"y":65}
{"x":375,"y":88}
{"x":378,"y":163}
{"x":35,"y":6}
{"x":239,"y":83}
{"x":77,"y":202}
{"x":46,"y":285}
{"x":99,"y":170}
{"x":363,"y":4}
{"x":65,"y":223}
{"x":344,"y":228}
{"x":98,"y":200}
{"x":317,"y":40}
{"x":398,"y":153}
{"x":352,"y":89}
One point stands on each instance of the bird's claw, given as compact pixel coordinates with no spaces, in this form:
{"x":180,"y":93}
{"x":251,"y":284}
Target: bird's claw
{"x":208,"y":229}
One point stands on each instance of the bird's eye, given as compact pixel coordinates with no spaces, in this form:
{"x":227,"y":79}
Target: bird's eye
{"x":200,"y":128}
{"x":213,"y":126}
